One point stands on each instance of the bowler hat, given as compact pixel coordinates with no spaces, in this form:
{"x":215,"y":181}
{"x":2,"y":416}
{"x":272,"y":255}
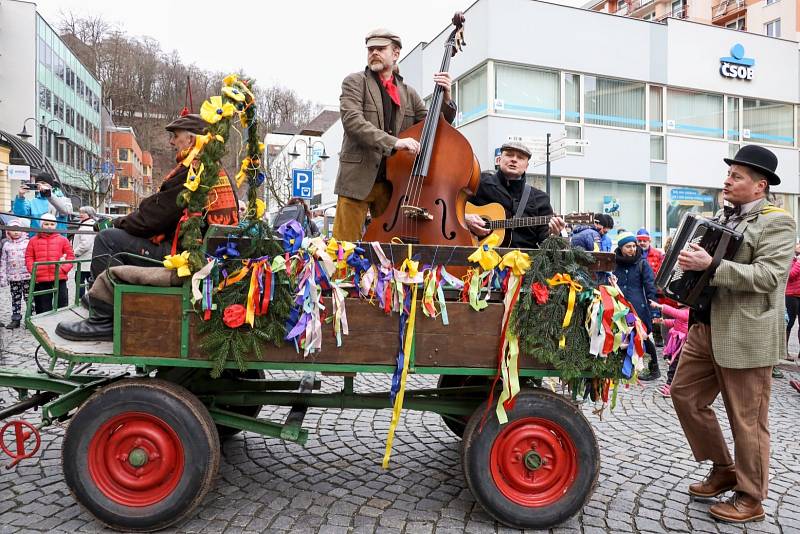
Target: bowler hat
{"x":382,"y":37}
{"x":191,"y":123}
{"x":758,"y":158}
{"x":516,"y":145}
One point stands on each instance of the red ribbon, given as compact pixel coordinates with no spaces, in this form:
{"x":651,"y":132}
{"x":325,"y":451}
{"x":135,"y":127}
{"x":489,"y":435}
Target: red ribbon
{"x":608,"y":315}
{"x":183,"y":219}
{"x":264,"y":307}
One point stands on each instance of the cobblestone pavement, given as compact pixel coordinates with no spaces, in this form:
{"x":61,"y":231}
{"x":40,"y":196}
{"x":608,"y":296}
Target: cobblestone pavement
{"x":335,"y":483}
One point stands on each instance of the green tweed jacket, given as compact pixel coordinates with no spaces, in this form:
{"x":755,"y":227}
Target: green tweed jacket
{"x":748,"y":328}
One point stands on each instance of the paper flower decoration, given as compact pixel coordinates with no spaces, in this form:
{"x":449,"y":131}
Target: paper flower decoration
{"x":242,"y":174}
{"x":213,"y":110}
{"x":233,"y":316}
{"x":260,"y":208}
{"x":233,"y":93}
{"x":260,"y":177}
{"x":179,"y":262}
{"x":199,"y":142}
{"x":540,"y":292}
{"x":230,"y":79}
{"x":193,"y":179}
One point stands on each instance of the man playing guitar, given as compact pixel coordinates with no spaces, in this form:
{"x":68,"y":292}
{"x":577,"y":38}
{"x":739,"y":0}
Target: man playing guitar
{"x":507,"y":186}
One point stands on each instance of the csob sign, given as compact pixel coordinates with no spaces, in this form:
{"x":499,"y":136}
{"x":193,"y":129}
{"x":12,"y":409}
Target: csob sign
{"x":737,"y":66}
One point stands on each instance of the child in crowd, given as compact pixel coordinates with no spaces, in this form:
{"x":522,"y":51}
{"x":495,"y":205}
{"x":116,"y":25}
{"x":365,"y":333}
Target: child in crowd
{"x":677,"y":320}
{"x":49,"y":247}
{"x":13,"y":272}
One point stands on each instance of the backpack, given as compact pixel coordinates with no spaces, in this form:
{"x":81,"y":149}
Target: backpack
{"x":291,"y":212}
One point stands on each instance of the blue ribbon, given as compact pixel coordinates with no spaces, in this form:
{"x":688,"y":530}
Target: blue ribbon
{"x":228,"y":249}
{"x":292,"y":234}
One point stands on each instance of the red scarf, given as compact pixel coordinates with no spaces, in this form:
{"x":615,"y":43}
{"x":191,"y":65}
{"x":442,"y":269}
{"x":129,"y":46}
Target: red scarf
{"x":391,"y":89}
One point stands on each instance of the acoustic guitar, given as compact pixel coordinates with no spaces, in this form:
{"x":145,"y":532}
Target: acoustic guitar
{"x":494,"y":215}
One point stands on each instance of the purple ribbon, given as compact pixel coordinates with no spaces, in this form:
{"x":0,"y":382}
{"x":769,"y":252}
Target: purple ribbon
{"x":292,"y":234}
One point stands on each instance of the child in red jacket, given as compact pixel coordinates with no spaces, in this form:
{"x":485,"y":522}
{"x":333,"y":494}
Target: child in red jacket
{"x":49,"y":247}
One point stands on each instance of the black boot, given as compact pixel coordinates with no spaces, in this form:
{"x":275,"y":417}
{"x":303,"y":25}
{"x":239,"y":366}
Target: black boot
{"x":653,"y":372}
{"x":98,"y":327}
{"x":13,"y":324}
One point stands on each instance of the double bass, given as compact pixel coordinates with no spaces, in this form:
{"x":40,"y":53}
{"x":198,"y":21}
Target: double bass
{"x":430,"y":189}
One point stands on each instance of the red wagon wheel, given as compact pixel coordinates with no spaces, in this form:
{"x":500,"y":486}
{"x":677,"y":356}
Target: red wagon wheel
{"x":141,"y":454}
{"x":538,"y":469}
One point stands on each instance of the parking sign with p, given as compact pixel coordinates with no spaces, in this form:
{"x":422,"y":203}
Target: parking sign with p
{"x":303,"y":183}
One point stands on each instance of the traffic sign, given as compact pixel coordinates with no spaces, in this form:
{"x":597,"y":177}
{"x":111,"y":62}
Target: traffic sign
{"x":303,"y":183}
{"x":577,"y":142}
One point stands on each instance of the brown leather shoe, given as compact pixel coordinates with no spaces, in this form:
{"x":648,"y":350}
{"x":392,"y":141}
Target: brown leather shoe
{"x":719,"y":480}
{"x":740,"y":508}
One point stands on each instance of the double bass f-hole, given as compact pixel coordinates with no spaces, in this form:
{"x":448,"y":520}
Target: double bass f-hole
{"x":388,"y":227}
{"x":451,"y":235}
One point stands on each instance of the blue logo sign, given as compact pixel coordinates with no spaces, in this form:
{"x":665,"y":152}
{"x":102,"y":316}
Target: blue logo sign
{"x":303,"y":183}
{"x":736,"y":65}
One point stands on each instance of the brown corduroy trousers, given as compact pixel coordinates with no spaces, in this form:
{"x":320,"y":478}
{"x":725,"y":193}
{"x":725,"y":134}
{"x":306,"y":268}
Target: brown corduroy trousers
{"x":745,"y":392}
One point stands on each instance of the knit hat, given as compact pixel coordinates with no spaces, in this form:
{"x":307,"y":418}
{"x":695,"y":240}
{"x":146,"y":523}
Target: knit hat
{"x":624,"y":238}
{"x":47,"y":217}
{"x":15,"y":222}
{"x":643,"y":234}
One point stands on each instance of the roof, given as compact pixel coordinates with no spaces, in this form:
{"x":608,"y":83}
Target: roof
{"x":286,"y":128}
{"x":320,"y":124}
{"x":31,"y":155}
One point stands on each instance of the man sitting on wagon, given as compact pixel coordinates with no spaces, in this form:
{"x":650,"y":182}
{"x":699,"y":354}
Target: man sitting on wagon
{"x":150,"y":231}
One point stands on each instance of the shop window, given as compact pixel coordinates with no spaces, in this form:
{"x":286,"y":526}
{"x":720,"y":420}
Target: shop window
{"x":693,"y":113}
{"x":472,"y":96}
{"x":654,"y":222}
{"x":572,"y":97}
{"x":529,"y":92}
{"x":732,"y":127}
{"x":656,"y":119}
{"x":768,"y":122}
{"x":658,"y":151}
{"x":612,"y":102}
{"x":703,"y":201}
{"x":625,"y":202}
{"x":539,"y":182}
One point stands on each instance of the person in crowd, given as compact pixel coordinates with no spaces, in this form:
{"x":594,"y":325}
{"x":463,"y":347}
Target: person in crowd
{"x":508,"y":187}
{"x":152,"y":230}
{"x":376,"y":105}
{"x":49,"y":246}
{"x":733,"y":345}
{"x":655,"y":258}
{"x":793,"y":299}
{"x":13,"y":272}
{"x":82,"y":244}
{"x":635,"y":279}
{"x":47,"y":198}
{"x":677,"y":320}
{"x":590,"y":238}
{"x":309,"y":226}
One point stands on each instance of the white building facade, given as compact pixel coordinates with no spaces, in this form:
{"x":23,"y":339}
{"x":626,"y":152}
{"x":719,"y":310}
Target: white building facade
{"x":661,"y":104}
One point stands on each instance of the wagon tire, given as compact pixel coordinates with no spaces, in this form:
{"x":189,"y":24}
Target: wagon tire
{"x":538,"y":469}
{"x":140,"y":454}
{"x":227,"y":432}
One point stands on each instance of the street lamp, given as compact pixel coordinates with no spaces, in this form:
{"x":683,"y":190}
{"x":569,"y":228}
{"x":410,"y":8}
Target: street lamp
{"x":24,"y":133}
{"x":309,"y":149}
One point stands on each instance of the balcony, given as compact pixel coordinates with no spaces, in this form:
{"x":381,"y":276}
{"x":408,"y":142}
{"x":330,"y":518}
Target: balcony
{"x":681,"y":12}
{"x":630,"y":8}
{"x":727,"y":9}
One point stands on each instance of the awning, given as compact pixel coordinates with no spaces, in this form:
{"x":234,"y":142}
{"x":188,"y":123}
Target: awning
{"x":31,"y":155}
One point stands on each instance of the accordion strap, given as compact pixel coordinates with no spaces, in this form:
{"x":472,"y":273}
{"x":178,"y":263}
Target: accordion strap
{"x":702,"y":282}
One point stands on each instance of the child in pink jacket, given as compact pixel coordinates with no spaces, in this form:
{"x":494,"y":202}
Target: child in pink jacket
{"x":677,"y":320}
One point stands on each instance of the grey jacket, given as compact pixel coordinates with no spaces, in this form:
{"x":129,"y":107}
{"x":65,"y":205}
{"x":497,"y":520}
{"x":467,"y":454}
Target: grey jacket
{"x":365,"y":143}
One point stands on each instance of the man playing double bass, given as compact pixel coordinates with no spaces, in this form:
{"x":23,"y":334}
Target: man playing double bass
{"x":375,"y":107}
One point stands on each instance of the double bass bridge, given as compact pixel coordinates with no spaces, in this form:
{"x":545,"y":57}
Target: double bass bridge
{"x":416,"y":213}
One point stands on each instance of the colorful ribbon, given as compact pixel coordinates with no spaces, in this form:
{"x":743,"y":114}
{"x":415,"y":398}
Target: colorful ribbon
{"x":574,"y":287}
{"x":485,"y":255}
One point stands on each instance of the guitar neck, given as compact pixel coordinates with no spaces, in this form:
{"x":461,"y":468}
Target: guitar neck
{"x":519,"y":222}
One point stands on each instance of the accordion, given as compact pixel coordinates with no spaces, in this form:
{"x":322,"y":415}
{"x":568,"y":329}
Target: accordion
{"x":692,"y":287}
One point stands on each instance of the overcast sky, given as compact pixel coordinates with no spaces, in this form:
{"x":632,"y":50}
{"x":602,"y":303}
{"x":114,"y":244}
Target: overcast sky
{"x":305,"y":45}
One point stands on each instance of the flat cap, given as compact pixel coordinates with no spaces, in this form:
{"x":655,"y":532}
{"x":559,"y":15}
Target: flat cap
{"x":191,"y":123}
{"x":382,"y":37}
{"x":518,"y":146}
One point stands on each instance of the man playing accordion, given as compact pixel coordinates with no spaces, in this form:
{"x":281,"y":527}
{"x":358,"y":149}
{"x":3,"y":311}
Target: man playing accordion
{"x":732,"y":345}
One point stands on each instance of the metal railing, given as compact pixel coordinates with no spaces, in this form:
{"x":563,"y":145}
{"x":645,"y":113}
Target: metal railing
{"x":677,"y":13}
{"x":630,"y":7}
{"x":55,"y":290}
{"x":726,"y":8}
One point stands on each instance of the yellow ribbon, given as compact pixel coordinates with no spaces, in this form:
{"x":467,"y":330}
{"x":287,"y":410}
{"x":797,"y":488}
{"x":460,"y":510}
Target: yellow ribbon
{"x":241,"y":175}
{"x":193,"y":178}
{"x":509,"y":365}
{"x":518,"y":261}
{"x":574,"y":287}
{"x":408,"y":345}
{"x":333,"y":252}
{"x":179,"y":262}
{"x":199,"y":142}
{"x":485,"y":255}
